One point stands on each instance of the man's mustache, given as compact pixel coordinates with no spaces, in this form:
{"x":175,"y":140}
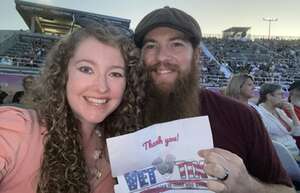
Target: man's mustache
{"x":169,"y":66}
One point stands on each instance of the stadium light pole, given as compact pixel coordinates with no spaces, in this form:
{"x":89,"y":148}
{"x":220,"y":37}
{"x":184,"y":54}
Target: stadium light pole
{"x":270,"y":20}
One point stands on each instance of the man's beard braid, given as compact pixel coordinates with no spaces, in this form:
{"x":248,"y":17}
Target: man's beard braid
{"x":181,"y":102}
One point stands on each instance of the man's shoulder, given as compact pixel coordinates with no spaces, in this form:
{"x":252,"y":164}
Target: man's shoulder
{"x":19,"y":93}
{"x":297,"y":110}
{"x":3,"y":94}
{"x":212,"y":101}
{"x":209,"y":95}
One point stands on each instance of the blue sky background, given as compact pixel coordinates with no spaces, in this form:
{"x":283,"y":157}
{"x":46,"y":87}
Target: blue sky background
{"x":214,"y":16}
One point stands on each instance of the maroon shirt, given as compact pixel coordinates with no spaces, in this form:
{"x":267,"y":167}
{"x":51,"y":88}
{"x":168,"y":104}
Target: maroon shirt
{"x":239,"y":129}
{"x":297,"y":111}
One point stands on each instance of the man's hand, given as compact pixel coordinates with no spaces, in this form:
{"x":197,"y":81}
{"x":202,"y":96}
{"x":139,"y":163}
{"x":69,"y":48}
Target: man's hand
{"x":218,"y":162}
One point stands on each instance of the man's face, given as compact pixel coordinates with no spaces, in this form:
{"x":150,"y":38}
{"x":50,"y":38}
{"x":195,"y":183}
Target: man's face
{"x":168,"y":56}
{"x":295,"y":95}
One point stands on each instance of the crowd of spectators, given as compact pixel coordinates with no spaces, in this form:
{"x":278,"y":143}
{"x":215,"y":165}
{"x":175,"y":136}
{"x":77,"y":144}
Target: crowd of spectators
{"x":279,"y":116}
{"x":265,"y":60}
{"x":29,"y":50}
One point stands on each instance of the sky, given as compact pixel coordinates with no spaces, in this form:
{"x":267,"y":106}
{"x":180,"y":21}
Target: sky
{"x":214,"y":16}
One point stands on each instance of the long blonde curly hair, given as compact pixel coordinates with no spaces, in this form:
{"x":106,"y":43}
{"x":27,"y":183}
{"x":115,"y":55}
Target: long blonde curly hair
{"x":63,"y":167}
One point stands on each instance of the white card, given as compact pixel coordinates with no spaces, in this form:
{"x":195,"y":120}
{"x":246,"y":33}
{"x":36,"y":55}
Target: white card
{"x":162,"y":157}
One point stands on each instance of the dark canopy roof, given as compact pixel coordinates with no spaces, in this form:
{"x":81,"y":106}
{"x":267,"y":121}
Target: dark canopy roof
{"x":237,"y":29}
{"x":55,"y":20}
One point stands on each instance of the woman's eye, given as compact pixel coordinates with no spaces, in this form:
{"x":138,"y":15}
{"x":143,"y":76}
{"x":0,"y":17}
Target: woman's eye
{"x":86,"y":69}
{"x":117,"y":74}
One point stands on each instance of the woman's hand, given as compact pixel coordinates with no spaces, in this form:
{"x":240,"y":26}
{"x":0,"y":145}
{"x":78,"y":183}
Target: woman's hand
{"x":287,"y":106}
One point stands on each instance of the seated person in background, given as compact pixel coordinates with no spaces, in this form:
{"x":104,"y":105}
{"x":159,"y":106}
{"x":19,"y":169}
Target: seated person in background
{"x":3,"y":95}
{"x":241,"y":87}
{"x":89,"y":90}
{"x":6,"y":60}
{"x":27,"y":82}
{"x":294,"y":98}
{"x":279,"y":125}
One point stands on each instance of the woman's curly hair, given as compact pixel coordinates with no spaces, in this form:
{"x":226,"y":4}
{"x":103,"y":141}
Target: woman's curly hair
{"x":63,"y":167}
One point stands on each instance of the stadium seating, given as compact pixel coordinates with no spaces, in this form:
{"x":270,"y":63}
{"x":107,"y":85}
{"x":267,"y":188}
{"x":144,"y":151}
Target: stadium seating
{"x":288,"y":162}
{"x":267,"y":60}
{"x":28,"y":49}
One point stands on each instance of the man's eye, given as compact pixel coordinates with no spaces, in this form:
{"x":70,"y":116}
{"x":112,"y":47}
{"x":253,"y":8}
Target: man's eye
{"x":177,"y":44}
{"x":149,"y":45}
{"x":86,"y":69}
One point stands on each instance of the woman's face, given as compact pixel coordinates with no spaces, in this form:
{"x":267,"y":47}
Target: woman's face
{"x":247,"y":90}
{"x":276,"y":97}
{"x":96,"y":81}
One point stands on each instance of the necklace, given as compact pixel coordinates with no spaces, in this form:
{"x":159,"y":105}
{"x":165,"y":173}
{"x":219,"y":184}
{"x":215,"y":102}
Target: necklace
{"x":96,"y":172}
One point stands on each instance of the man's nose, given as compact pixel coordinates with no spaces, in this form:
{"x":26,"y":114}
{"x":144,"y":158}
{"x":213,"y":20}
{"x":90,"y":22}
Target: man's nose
{"x":164,"y":54}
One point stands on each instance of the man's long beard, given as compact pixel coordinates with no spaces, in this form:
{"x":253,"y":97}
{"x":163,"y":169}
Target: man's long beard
{"x":166,"y":105}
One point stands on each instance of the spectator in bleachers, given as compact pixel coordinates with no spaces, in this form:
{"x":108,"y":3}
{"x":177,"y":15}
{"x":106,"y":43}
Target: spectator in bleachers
{"x":3,"y":95}
{"x":294,"y":98}
{"x":241,"y":87}
{"x":275,"y":60}
{"x":6,"y":60}
{"x":26,"y":83}
{"x":279,"y":125}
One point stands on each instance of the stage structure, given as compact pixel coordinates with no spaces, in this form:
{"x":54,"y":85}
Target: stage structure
{"x":237,"y":33}
{"x":52,"y":20}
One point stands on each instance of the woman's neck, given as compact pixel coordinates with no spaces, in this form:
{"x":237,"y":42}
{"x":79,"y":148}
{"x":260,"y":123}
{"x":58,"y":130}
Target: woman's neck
{"x":269,"y":107}
{"x":87,"y":131}
{"x":243,"y":99}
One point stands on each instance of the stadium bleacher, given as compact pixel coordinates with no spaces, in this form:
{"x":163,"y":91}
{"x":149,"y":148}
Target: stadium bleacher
{"x":28,"y":49}
{"x":279,"y":63}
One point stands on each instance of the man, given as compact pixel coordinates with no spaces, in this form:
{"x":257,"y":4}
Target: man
{"x":294,"y":98}
{"x":3,"y":95}
{"x":243,"y":160}
{"x":26,"y":83}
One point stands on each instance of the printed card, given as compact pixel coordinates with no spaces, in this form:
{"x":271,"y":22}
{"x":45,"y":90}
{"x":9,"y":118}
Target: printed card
{"x":162,"y":157}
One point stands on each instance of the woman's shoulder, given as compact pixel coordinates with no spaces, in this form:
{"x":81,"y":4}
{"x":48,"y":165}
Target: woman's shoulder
{"x":20,"y":142}
{"x":16,"y":119}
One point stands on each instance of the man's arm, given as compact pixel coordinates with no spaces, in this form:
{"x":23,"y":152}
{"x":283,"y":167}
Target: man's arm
{"x":218,"y":162}
{"x":270,"y":188}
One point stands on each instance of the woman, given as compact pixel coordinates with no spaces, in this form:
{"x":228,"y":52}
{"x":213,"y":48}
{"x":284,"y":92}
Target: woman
{"x":87,"y":92}
{"x":279,"y":125}
{"x":240,"y":87}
